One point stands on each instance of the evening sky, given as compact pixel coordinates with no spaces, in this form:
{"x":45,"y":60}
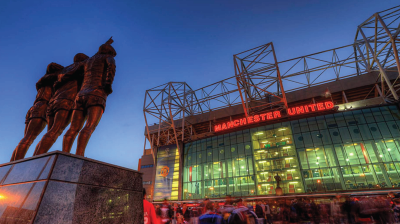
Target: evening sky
{"x":156,"y":42}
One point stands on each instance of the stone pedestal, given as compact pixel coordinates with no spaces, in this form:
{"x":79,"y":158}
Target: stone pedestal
{"x":63,"y":188}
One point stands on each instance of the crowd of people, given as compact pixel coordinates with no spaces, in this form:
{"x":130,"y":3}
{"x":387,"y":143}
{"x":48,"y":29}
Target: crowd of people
{"x":380,"y":209}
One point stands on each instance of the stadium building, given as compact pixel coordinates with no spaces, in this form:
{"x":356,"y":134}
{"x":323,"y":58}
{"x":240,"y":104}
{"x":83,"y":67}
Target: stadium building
{"x":320,"y":124}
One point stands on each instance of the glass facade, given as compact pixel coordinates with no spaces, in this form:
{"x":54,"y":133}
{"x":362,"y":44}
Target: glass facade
{"x":353,"y":150}
{"x":218,"y":166}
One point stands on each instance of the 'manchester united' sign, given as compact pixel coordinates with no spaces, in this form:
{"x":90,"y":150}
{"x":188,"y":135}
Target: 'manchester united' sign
{"x":305,"y":109}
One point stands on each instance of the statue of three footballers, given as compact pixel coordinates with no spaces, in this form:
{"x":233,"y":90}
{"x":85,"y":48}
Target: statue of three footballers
{"x":74,"y":94}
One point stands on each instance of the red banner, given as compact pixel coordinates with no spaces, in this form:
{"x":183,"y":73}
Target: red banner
{"x":190,"y":174}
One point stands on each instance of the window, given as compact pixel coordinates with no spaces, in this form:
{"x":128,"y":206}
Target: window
{"x":146,"y":182}
{"x":146,"y":166}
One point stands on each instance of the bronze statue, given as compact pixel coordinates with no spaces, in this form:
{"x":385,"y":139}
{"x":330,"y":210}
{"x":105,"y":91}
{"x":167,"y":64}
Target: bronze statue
{"x":60,"y":107}
{"x":277,"y":179}
{"x":278,"y":189}
{"x":35,"y":120}
{"x":90,"y":102}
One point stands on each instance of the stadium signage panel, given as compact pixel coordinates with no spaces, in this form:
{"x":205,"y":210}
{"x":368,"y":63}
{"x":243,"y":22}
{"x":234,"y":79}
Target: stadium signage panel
{"x":273,"y":115}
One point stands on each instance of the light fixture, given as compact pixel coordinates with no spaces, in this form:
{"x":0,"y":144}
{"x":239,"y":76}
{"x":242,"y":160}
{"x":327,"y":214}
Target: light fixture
{"x":380,"y":155}
{"x":351,"y":154}
{"x":389,"y":149}
{"x":317,"y":157}
{"x":259,"y":133}
{"x":317,"y":163}
{"x":347,"y":159}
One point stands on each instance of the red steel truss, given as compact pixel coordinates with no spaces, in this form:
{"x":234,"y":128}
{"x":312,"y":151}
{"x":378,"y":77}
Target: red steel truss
{"x":258,"y":79}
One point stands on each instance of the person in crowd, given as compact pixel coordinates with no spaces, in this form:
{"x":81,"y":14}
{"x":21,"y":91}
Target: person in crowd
{"x":268,"y":216}
{"x":260,"y":212}
{"x":336,"y":214}
{"x":158,"y":213}
{"x":194,"y":214}
{"x":396,"y":210}
{"x":217,"y":208}
{"x":228,"y":208}
{"x":250,"y":207}
{"x":314,"y":211}
{"x":166,"y":212}
{"x":149,"y":211}
{"x":175,"y":210}
{"x":158,"y":210}
{"x":180,"y":219}
{"x":202,"y":206}
{"x":393,"y":196}
{"x":383,"y":206}
{"x":185,"y":213}
{"x":263,"y":207}
{"x":284,"y":213}
{"x":242,"y":215}
{"x":239,"y":202}
{"x":210,"y":217}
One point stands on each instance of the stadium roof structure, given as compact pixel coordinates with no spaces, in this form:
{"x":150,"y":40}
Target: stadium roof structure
{"x":262,"y":83}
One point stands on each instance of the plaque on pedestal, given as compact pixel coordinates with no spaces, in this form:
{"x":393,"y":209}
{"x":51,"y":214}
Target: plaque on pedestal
{"x":61,"y":188}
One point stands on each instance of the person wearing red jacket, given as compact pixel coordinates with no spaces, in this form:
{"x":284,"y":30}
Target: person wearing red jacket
{"x":149,"y":212}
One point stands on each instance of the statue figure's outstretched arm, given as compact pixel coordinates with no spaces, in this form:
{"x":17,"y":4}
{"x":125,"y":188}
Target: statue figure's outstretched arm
{"x":46,"y":80}
{"x":72,"y":72}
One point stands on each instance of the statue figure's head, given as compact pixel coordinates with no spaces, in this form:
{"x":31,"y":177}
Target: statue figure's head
{"x":107,"y":48}
{"x":53,"y":67}
{"x":80,"y":57}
